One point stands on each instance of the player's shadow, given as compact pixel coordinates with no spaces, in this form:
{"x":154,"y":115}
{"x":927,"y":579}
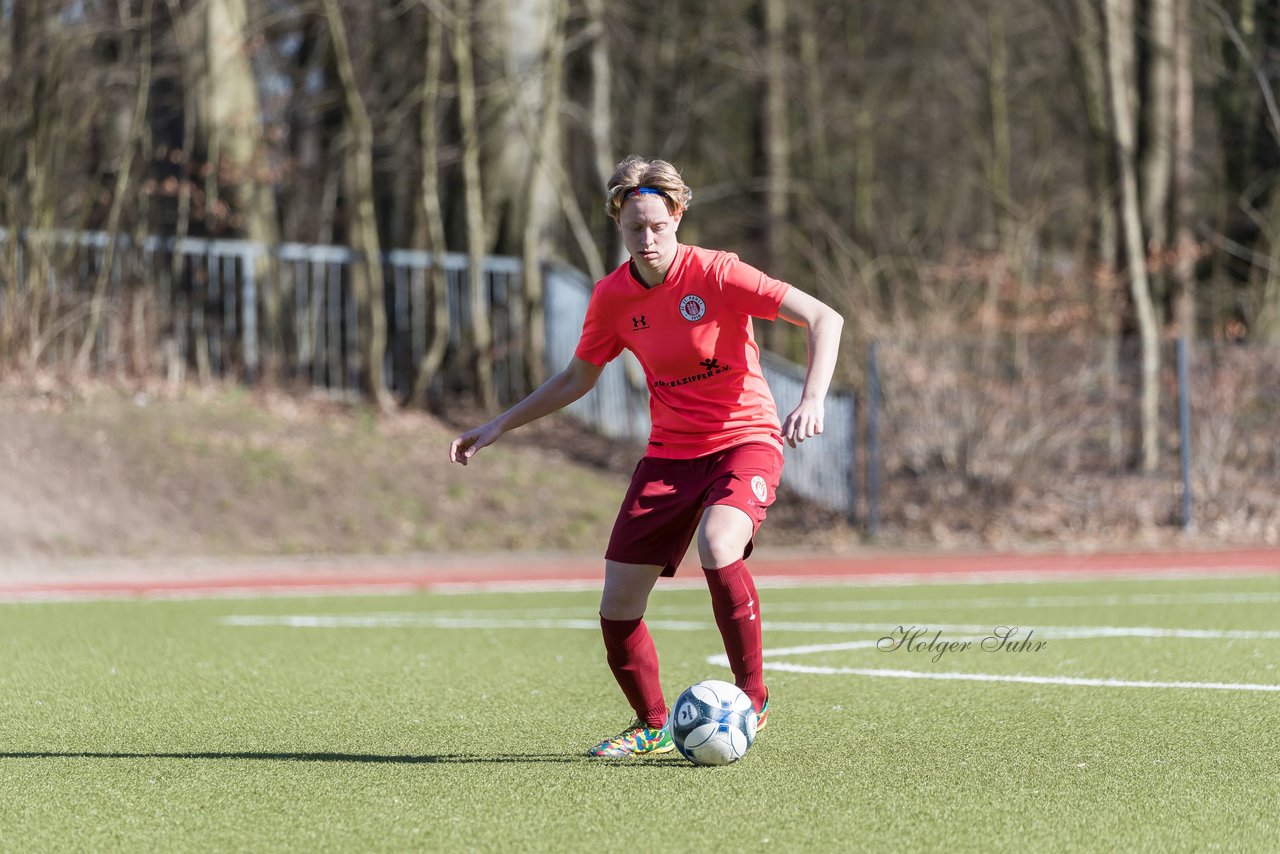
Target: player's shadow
{"x":360,"y":758}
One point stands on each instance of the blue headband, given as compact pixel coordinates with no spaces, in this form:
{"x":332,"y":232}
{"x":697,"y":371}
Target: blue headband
{"x":642,"y":191}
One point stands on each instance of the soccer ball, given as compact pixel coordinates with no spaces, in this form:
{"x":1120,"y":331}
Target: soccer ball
{"x":713,"y":723}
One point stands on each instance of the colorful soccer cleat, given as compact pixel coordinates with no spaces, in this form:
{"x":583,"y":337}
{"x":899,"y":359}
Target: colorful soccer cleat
{"x":763,"y":715}
{"x":639,"y":739}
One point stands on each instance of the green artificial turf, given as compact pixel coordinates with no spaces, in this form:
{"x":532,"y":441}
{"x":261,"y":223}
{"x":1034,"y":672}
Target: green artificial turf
{"x":458,"y":722}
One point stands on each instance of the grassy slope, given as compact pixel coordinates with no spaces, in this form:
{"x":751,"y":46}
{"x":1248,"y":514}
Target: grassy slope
{"x":229,"y":472}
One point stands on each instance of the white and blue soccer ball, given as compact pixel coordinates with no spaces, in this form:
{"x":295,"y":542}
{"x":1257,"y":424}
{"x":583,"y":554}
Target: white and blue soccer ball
{"x":713,"y":723}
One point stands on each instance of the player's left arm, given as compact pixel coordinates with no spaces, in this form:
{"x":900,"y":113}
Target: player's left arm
{"x":823,"y":324}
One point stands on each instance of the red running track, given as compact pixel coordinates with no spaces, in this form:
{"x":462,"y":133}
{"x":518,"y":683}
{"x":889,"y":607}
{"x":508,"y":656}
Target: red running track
{"x":157,"y":578}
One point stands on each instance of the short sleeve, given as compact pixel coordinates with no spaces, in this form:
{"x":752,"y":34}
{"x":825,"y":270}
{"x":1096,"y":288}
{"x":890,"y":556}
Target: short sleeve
{"x":748,"y":290}
{"x":599,"y":343}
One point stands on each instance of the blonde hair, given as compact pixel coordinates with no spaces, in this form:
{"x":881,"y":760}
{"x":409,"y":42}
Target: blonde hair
{"x":636,"y":173}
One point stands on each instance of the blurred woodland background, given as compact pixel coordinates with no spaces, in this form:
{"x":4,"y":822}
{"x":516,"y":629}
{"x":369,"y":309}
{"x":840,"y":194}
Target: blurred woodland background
{"x":1023,"y":203}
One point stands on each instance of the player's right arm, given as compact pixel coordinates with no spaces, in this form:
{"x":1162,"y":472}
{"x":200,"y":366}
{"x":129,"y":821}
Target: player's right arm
{"x":556,"y":393}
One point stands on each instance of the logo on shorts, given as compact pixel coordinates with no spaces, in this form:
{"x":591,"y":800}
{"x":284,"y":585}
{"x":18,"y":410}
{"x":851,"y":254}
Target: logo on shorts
{"x":692,"y":308}
{"x":759,"y":487}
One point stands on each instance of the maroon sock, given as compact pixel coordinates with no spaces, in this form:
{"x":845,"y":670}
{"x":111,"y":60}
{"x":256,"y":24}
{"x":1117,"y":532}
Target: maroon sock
{"x":737,"y":609}
{"x":633,"y":659}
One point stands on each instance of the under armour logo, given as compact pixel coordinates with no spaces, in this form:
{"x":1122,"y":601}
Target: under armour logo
{"x":638,"y":322}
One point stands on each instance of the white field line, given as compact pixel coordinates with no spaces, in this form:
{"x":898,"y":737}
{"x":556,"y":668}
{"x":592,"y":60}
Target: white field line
{"x":429,"y":621}
{"x":855,"y":605}
{"x":1074,"y":681}
{"x":889,"y":579}
{"x":1032,"y":680}
{"x":1104,"y":601}
{"x":404,"y":620}
{"x":723,"y":660}
{"x":1069,"y":632}
{"x":442,"y":621}
{"x":1041,"y":633}
{"x":701,"y":609}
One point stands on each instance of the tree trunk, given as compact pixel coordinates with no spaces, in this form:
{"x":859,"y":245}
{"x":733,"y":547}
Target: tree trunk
{"x":187,"y":33}
{"x":1248,"y":121}
{"x":1262,"y":30}
{"x":1185,"y":251}
{"x":1120,"y":68}
{"x":777,"y":139}
{"x":1000,"y":181}
{"x":122,"y":186}
{"x":816,"y":101}
{"x":777,"y":152}
{"x":42,"y":124}
{"x":477,"y":333}
{"x":1001,"y":167}
{"x":366,"y":272}
{"x":600,"y":110}
{"x":1088,"y":42}
{"x":1157,"y":165}
{"x":537,"y":225}
{"x":431,"y":217}
{"x":233,"y":122}
{"x":45,"y":148}
{"x":1266,"y":325}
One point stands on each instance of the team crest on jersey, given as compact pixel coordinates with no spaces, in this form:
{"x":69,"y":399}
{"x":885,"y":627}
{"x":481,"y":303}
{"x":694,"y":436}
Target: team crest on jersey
{"x":759,"y":487}
{"x":692,"y":308}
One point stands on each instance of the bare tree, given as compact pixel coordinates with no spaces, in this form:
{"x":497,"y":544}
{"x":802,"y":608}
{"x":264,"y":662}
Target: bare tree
{"x":366,"y":274}
{"x":1157,"y":161}
{"x":775,"y":139}
{"x":864,"y":141}
{"x":60,"y":132}
{"x":1246,"y":287}
{"x":124,"y":176}
{"x":1185,"y":252}
{"x":777,"y":131}
{"x":477,"y":333}
{"x":537,"y":225}
{"x":1121,"y":72}
{"x":232,"y":118}
{"x":999,"y":172}
{"x":431,"y":215}
{"x":1102,"y":255}
{"x":600,"y":116}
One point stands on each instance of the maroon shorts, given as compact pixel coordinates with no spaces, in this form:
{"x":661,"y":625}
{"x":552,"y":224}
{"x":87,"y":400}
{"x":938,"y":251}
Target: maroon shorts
{"x":663,"y":506}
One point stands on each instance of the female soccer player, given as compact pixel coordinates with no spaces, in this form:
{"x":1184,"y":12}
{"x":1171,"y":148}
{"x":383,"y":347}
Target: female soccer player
{"x":715,"y":450}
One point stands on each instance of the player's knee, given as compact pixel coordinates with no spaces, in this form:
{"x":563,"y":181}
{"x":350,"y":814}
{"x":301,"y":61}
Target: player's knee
{"x":623,"y":605}
{"x":720,"y":546}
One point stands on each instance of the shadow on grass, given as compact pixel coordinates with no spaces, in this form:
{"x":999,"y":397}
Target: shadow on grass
{"x":371,"y":758}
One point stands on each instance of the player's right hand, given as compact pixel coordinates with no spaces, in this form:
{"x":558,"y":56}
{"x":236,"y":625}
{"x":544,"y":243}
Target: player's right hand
{"x":463,"y":448}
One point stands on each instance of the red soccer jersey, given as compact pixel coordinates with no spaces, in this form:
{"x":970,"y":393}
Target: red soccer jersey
{"x":693,"y":336}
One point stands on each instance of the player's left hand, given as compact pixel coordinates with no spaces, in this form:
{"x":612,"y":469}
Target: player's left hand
{"x":804,"y":422}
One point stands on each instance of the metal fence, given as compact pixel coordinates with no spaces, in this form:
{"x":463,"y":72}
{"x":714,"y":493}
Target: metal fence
{"x":205,"y":303}
{"x":205,"y":298}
